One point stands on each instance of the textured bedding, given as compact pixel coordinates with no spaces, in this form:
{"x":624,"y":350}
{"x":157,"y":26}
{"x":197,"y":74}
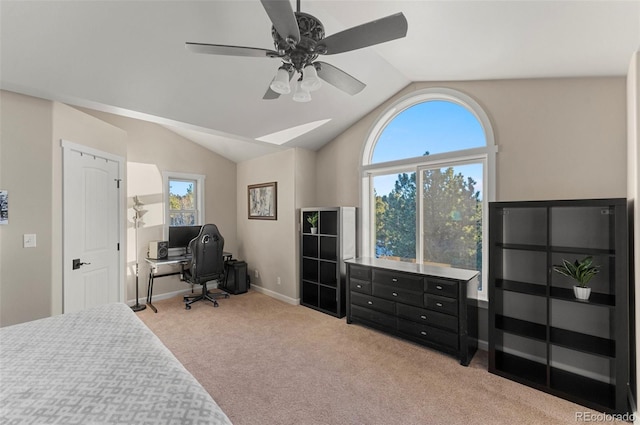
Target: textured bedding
{"x":99,"y":366}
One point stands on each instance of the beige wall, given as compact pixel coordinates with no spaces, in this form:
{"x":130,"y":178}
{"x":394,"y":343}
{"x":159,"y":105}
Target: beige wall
{"x":305,"y":196}
{"x":31,"y":170}
{"x":74,"y":126}
{"x":557,"y":139}
{"x":25,"y":171}
{"x":269,"y":246}
{"x":152,"y":149}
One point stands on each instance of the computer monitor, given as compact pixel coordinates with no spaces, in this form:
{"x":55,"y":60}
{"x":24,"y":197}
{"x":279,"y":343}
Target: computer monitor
{"x":180,"y":236}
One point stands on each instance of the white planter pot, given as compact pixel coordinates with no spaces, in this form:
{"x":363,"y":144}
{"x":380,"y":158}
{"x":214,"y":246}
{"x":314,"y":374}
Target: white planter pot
{"x":581,"y":293}
{"x":314,"y":230}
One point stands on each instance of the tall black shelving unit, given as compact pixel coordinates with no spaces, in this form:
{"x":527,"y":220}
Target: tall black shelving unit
{"x":322,"y":267}
{"x":539,"y":334}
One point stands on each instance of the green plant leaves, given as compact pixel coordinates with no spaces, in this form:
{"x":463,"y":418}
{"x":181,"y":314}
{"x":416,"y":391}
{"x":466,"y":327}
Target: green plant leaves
{"x":581,"y":271}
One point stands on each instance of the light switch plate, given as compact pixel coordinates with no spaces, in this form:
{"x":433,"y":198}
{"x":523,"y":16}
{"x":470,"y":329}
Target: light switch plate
{"x":29,"y":240}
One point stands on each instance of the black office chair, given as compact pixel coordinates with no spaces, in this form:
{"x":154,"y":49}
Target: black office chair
{"x":207,"y":264}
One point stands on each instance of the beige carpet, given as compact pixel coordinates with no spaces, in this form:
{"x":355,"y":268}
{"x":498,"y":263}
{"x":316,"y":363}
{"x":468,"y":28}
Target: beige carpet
{"x":268,"y":362}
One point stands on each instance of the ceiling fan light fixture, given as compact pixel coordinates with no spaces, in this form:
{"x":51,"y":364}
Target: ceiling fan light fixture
{"x":280,"y":83}
{"x":310,"y":80}
{"x":301,"y":94}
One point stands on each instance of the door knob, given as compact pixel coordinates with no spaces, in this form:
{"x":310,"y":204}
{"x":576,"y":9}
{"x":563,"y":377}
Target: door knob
{"x":77,"y":263}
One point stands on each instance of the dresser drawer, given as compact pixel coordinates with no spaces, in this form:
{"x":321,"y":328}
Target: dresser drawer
{"x":383,"y":319}
{"x":441,"y":304}
{"x":398,"y":280}
{"x":428,"y":317}
{"x":373,"y":303}
{"x":359,"y":272}
{"x":428,"y":333}
{"x":446,"y":288}
{"x":360,"y":286}
{"x":398,"y":294}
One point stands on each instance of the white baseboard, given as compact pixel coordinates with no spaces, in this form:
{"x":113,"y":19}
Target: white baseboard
{"x":268,"y":292}
{"x":159,"y":297}
{"x":277,"y":296}
{"x":483,"y":345}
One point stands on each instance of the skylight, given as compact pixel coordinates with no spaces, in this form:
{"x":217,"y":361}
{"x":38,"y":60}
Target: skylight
{"x":283,"y":136}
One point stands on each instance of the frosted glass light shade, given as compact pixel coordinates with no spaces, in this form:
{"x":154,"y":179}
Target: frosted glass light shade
{"x":301,"y":94}
{"x":310,"y":80}
{"x":280,"y":83}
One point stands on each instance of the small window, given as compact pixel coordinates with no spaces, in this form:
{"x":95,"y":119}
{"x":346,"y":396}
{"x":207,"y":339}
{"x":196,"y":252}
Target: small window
{"x":184,"y":199}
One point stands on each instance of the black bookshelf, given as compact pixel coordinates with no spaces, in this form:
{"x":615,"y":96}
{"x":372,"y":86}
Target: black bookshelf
{"x":539,"y":334}
{"x":322,"y":267}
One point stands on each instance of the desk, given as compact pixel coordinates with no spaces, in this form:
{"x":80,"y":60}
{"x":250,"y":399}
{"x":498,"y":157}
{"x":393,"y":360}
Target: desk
{"x":177,"y":260}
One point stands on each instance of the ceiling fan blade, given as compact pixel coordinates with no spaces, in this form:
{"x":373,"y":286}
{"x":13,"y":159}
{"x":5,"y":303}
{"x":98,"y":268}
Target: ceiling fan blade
{"x":220,"y":49}
{"x":374,"y":32}
{"x":284,"y":21}
{"x":340,"y":79}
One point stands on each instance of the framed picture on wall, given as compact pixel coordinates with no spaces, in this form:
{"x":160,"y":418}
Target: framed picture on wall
{"x":4,"y":207}
{"x":263,"y":201}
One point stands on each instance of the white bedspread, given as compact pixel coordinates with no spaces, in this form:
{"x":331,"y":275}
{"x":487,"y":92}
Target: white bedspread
{"x":99,"y":366}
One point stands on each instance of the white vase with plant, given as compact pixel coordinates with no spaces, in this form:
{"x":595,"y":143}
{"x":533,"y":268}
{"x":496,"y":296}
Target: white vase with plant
{"x":313,"y":221}
{"x":580,"y":271}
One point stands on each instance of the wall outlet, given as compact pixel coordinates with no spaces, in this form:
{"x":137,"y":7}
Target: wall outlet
{"x":256,"y":274}
{"x":278,"y":281}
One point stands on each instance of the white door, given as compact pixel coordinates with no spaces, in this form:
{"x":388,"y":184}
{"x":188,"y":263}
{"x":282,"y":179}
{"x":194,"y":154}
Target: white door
{"x":91,"y":231}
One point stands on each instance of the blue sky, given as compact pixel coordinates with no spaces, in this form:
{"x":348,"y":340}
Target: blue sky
{"x":179,"y":187}
{"x":434,"y":127}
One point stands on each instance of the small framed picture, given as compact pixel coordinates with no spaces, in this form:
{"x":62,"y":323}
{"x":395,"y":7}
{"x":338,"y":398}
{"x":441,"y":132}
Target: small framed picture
{"x":4,"y":207}
{"x":263,"y":201}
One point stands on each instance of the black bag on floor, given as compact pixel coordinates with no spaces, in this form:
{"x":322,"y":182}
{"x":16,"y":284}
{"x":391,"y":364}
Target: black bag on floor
{"x":236,"y":282}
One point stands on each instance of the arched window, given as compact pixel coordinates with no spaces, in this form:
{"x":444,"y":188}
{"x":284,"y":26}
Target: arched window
{"x":428,"y":175}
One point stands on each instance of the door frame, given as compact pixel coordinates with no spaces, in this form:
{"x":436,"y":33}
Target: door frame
{"x":67,"y":148}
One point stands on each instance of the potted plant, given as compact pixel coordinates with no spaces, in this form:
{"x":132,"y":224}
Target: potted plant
{"x":580,"y":271}
{"x":313,"y":221}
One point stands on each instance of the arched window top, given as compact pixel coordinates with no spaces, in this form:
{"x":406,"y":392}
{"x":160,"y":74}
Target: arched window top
{"x":437,"y":121}
{"x":434,"y":126}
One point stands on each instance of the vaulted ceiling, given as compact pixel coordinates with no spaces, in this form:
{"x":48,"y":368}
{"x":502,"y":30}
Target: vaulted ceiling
{"x":129,"y":57}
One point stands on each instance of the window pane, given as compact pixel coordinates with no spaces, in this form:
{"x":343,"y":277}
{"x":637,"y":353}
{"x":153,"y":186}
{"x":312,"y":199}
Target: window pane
{"x":182,"y":218}
{"x":395,"y":217}
{"x":452,"y":216}
{"x":181,"y":195}
{"x":431,"y":127}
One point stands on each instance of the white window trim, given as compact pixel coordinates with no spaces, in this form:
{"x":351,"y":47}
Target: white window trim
{"x":199,"y":178}
{"x":485,"y":154}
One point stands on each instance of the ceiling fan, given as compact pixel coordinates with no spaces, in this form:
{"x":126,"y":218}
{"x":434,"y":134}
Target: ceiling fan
{"x":299,"y":39}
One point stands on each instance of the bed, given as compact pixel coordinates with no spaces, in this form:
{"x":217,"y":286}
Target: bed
{"x":98,"y":366}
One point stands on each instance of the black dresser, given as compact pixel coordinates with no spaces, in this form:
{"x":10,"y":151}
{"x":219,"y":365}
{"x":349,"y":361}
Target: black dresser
{"x":418,"y":302}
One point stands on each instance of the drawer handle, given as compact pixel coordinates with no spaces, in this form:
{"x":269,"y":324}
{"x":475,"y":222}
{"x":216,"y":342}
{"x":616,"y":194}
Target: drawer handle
{"x":438,"y":287}
{"x":395,"y":294}
{"x":370,"y":302}
{"x":358,"y":286}
{"x":394,"y":280}
{"x":423,"y":317}
{"x":423,"y":333}
{"x":439,"y":304}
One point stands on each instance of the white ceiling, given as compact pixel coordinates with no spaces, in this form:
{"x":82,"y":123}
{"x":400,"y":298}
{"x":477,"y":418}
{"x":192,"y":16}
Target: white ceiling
{"x":128,"y":57}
